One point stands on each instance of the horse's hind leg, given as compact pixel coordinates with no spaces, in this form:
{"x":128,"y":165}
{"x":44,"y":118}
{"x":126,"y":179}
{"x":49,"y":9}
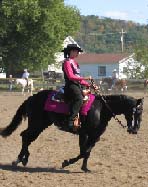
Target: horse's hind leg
{"x":35,"y":127}
{"x":24,"y":153}
{"x":28,"y":136}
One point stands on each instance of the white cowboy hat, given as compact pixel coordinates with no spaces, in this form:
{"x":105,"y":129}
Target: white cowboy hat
{"x":114,"y":70}
{"x":25,"y":70}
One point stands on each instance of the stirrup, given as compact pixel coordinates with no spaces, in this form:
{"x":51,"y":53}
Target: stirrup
{"x":85,"y":98}
{"x":76,"y":122}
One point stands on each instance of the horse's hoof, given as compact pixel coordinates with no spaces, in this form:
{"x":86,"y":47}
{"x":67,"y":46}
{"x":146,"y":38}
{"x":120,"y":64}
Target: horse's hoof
{"x":24,"y":161}
{"x":130,"y":130}
{"x":134,"y":132}
{"x":14,"y":163}
{"x":85,"y":170}
{"x":65,"y":163}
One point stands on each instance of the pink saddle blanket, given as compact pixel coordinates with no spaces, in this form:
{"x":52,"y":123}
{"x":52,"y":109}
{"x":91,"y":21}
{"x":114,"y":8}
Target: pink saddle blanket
{"x":62,"y":107}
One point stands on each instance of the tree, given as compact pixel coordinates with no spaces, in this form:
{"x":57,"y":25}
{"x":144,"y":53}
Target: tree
{"x":32,"y":31}
{"x":141,"y":51}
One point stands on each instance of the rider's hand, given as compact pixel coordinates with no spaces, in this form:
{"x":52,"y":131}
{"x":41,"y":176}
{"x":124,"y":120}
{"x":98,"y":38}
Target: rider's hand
{"x":95,"y":87}
{"x":88,"y":78}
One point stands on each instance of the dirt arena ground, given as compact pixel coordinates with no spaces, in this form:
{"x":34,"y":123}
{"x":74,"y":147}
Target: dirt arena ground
{"x":118,"y":160}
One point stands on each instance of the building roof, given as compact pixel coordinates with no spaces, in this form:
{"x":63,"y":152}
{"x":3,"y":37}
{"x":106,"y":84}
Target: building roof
{"x":93,"y":58}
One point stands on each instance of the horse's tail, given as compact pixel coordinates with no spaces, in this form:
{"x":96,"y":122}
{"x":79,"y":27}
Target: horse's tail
{"x":21,"y":114}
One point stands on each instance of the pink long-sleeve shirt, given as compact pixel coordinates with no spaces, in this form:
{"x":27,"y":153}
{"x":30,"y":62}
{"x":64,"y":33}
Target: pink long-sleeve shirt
{"x":70,"y":74}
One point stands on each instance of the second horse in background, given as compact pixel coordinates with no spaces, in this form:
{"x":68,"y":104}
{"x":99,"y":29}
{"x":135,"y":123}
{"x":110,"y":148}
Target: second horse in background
{"x":24,"y":85}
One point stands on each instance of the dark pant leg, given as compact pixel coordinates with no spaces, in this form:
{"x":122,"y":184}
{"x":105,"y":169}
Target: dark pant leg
{"x":76,"y":99}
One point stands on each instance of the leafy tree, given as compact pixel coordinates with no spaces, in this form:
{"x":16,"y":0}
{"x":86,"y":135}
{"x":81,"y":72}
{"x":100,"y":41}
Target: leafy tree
{"x":32,"y":31}
{"x":141,"y":51}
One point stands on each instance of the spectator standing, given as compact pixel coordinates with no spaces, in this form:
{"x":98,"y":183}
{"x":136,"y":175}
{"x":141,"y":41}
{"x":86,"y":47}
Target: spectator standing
{"x":10,"y":83}
{"x":115,"y":77}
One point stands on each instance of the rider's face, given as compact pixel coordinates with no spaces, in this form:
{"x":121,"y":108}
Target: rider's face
{"x":74,"y":53}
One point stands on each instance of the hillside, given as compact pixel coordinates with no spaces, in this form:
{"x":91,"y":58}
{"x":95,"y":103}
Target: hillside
{"x":104,"y":35}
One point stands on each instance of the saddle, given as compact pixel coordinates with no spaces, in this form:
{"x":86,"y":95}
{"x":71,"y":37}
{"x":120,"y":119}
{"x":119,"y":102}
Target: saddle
{"x":59,"y":95}
{"x":56,"y":103}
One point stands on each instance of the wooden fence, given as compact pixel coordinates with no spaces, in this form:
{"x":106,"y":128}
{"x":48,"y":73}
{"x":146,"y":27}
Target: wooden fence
{"x":132,"y":84}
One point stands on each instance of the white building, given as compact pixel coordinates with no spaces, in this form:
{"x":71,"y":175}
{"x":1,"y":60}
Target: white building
{"x":2,"y":75}
{"x":102,"y":65}
{"x":99,"y":65}
{"x":59,"y":57}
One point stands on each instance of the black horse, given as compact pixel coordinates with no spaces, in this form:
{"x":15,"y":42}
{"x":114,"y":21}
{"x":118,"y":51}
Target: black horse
{"x":92,"y":126}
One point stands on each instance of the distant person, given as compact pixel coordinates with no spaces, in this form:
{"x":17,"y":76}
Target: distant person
{"x":26,"y":75}
{"x":115,"y":77}
{"x":10,"y":83}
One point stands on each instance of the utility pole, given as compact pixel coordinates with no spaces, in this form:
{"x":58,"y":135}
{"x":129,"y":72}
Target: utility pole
{"x":122,"y":40}
{"x":1,"y":64}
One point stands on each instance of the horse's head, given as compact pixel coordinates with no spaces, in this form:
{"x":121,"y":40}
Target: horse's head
{"x":137,"y":116}
{"x":130,"y":107}
{"x":138,"y":113}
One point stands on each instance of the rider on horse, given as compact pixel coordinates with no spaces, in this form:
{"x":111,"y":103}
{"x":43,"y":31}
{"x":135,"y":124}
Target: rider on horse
{"x":26,"y":75}
{"x":115,"y":77}
{"x":73,"y":81}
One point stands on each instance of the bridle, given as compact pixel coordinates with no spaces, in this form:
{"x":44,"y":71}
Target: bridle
{"x":137,"y":110}
{"x":97,"y":92}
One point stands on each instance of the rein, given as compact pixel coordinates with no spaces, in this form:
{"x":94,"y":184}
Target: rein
{"x":106,"y":104}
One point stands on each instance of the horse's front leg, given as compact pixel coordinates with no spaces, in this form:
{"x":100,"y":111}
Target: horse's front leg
{"x":84,"y":165}
{"x":87,"y":143}
{"x":75,"y":159}
{"x":129,"y":120}
{"x":71,"y":161}
{"x":86,"y":152}
{"x":82,"y":143}
{"x":23,"y":90}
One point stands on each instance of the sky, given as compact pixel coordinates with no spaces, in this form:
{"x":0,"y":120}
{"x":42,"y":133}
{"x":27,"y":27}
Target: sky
{"x":130,"y":10}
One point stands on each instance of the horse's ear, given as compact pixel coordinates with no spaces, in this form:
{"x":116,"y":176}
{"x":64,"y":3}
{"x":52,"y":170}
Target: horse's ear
{"x":140,"y":101}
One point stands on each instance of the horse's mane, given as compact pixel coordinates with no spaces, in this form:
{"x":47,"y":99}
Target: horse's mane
{"x":116,"y":97}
